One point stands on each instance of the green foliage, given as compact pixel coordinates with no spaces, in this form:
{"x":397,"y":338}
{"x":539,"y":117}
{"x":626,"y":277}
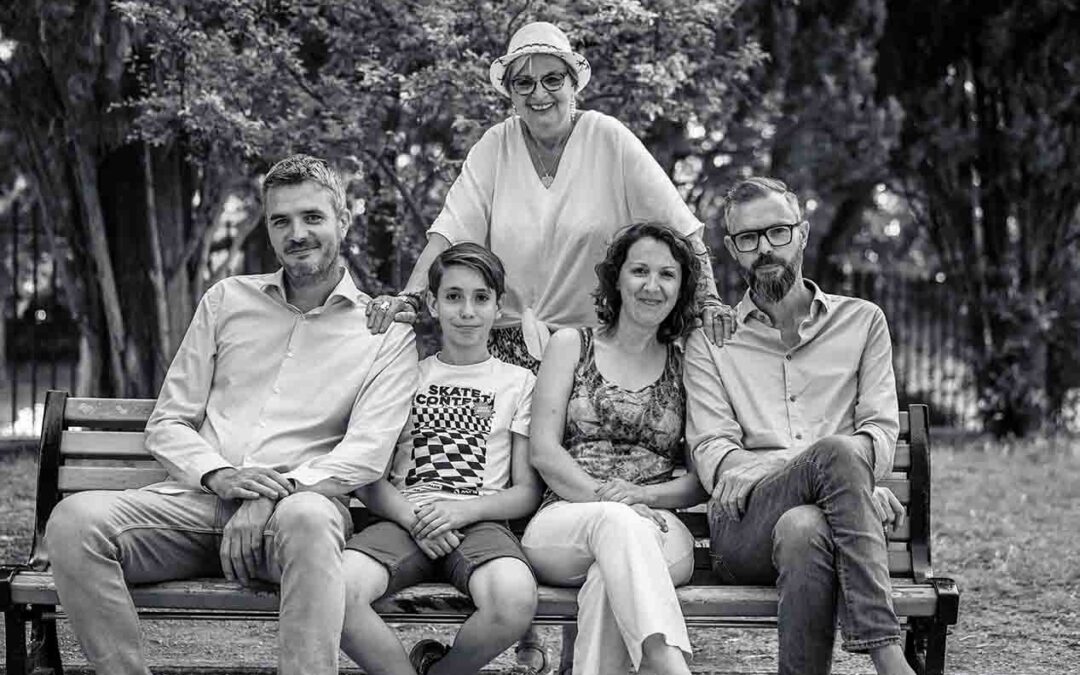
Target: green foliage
{"x":990,"y":160}
{"x":397,"y":94}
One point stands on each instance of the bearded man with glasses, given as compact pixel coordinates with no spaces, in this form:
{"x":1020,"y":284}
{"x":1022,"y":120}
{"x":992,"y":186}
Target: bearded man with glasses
{"x":790,"y":424}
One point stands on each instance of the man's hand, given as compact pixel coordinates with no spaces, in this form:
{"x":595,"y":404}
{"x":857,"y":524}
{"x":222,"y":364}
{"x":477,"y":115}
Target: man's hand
{"x":651,"y":514}
{"x":250,"y":482}
{"x":440,"y":545}
{"x":733,"y":486}
{"x":242,"y":540}
{"x":622,"y":491}
{"x":719,"y":322}
{"x":889,"y":509}
{"x":386,"y":309}
{"x":440,"y":517}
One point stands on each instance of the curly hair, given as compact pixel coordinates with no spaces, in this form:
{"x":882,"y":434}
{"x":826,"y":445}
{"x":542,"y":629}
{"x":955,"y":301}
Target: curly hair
{"x":608,"y":300}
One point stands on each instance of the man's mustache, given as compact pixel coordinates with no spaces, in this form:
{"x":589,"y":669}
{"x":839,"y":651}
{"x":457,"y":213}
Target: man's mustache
{"x":293,"y":247}
{"x":767,"y":259}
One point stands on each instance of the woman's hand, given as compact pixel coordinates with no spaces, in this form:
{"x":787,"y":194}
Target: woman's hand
{"x":622,"y":491}
{"x":719,"y":321}
{"x":651,"y":514}
{"x":386,"y":309}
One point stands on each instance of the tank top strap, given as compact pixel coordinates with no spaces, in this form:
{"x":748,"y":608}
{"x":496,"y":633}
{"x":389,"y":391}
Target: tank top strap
{"x":585,"y":356}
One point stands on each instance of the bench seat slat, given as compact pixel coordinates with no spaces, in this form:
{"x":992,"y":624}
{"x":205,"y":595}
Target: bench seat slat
{"x":909,"y":599}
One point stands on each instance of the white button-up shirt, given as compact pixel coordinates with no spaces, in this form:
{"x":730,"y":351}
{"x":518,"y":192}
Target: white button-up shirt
{"x":757,"y":394}
{"x":257,"y":382}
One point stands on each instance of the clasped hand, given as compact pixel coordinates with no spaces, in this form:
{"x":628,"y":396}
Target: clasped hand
{"x":249,"y":482}
{"x":437,"y":530}
{"x":242,"y":552}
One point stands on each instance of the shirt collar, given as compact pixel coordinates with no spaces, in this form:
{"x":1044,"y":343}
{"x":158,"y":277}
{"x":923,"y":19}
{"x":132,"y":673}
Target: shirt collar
{"x":345,"y":288}
{"x":746,"y":309}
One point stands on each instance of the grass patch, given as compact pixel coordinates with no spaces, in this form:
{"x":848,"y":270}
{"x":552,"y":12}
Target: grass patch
{"x":1004,"y":526}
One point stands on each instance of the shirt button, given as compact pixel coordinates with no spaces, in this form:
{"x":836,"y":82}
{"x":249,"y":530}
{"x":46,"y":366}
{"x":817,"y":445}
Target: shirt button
{"x":798,"y":437}
{"x":277,"y":390}
{"x":262,"y":423}
{"x":787,"y":356}
{"x":790,"y":398}
{"x":288,"y":355}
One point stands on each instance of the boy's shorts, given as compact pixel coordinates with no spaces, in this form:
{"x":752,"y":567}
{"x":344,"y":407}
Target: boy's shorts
{"x":393,"y":547}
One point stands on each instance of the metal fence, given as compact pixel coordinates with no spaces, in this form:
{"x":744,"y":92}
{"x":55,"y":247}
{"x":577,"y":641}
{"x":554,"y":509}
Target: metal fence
{"x":38,"y":340}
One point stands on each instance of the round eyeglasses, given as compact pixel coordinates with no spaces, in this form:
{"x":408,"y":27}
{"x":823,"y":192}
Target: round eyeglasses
{"x":525,"y":85}
{"x":777,"y":235}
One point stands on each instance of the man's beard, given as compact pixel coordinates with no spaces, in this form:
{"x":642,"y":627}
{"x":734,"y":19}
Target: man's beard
{"x":312,"y":272}
{"x":771,"y":288}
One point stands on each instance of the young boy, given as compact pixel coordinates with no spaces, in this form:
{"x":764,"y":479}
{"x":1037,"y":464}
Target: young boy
{"x":460,"y":470}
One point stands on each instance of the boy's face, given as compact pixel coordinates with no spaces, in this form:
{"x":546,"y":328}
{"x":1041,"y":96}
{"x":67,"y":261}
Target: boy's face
{"x":465,"y":307}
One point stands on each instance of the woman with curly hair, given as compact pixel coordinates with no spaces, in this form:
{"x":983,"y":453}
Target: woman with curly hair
{"x":608,"y":416}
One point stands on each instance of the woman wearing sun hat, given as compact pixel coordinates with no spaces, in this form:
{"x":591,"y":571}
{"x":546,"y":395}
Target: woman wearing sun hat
{"x":546,"y":190}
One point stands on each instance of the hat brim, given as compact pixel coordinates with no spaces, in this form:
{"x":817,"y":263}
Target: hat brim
{"x":576,"y":62}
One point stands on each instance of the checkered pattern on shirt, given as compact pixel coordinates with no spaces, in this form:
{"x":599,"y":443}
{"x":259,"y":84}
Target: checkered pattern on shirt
{"x":449,"y":447}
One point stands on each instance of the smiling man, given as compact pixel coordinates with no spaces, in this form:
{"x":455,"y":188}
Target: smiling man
{"x":279,"y":402}
{"x":790,"y":423}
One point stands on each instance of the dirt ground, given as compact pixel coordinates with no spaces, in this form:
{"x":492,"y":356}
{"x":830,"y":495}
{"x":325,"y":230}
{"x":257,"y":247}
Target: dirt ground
{"x":1004,"y":523}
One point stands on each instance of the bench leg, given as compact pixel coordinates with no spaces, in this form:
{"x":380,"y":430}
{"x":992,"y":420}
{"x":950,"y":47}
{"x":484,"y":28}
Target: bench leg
{"x":44,"y":646}
{"x":915,"y":649}
{"x":935,"y":649}
{"x":566,"y":658}
{"x":15,"y":634}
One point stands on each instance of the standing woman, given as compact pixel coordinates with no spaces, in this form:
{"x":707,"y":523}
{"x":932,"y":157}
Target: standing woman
{"x":607,"y":430}
{"x":546,"y":190}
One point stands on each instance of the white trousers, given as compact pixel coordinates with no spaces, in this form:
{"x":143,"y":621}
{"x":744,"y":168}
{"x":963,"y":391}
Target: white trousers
{"x":627,"y":569}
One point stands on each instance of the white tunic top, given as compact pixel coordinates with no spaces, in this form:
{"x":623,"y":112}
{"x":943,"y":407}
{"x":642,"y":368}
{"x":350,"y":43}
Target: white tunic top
{"x":550,"y":239}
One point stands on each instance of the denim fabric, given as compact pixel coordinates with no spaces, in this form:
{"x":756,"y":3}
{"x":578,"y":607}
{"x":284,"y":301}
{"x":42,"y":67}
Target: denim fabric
{"x":811,"y":528}
{"x":98,"y":542}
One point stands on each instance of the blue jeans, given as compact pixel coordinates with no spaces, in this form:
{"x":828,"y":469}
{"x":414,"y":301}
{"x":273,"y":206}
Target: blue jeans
{"x":98,"y":542}
{"x":812,"y":529}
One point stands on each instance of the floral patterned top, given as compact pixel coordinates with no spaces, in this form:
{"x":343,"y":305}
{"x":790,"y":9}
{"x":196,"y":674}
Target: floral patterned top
{"x":616,"y":433}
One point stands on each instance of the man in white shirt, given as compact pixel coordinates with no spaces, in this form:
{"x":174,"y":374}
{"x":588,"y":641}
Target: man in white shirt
{"x":790,"y":423}
{"x":279,"y":402}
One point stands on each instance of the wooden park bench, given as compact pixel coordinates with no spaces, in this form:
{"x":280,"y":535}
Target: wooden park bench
{"x":97,"y":444}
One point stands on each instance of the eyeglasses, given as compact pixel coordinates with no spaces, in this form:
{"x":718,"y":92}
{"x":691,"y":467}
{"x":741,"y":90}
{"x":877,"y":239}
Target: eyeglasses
{"x":523,"y":86}
{"x":778,"y":235}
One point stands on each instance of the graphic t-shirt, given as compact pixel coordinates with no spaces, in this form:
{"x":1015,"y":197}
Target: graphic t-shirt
{"x":457,"y":444}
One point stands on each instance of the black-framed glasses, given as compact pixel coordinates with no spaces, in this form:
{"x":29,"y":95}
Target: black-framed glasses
{"x":777,"y":235}
{"x":525,"y":85}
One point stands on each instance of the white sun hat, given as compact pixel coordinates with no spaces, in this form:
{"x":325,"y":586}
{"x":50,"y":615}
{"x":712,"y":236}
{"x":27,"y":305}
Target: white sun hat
{"x":539,"y":37}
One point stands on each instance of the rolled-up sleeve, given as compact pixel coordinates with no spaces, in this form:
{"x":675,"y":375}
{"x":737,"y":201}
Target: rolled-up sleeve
{"x":172,"y":432}
{"x":466,"y":212}
{"x":876,"y":413}
{"x":711,"y":428}
{"x":650,"y":194}
{"x":378,"y":414}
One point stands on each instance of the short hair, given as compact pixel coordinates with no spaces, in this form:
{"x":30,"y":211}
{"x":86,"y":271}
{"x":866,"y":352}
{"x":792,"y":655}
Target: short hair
{"x":510,"y":71}
{"x":473,"y":256}
{"x":296,"y":169}
{"x":756,"y":187}
{"x":608,"y":299}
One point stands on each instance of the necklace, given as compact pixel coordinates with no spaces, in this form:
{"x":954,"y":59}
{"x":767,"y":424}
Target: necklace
{"x":536,"y":150}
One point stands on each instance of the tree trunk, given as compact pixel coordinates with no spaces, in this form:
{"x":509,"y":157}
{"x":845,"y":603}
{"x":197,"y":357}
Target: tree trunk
{"x":93,"y":220}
